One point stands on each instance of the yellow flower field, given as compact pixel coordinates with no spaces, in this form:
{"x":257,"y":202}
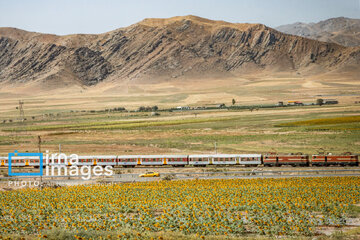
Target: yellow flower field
{"x":204,"y":207}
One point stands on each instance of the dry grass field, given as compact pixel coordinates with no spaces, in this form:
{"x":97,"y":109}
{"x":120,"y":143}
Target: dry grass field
{"x":247,"y":90}
{"x":234,"y":131}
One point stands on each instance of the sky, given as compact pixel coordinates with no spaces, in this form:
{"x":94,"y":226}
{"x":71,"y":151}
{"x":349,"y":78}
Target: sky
{"x":97,"y":16}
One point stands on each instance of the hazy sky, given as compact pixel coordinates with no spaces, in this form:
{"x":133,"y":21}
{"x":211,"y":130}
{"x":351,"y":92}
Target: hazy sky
{"x":97,"y":16}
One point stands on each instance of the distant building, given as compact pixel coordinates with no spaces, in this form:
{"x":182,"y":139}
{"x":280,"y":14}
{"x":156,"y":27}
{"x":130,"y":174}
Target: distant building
{"x":295,"y":103}
{"x":182,"y":108}
{"x":280,"y":104}
{"x":331,"y":101}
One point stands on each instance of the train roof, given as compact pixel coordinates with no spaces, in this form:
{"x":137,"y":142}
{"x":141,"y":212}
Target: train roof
{"x":25,"y":157}
{"x":162,"y":156}
{"x":128,"y":156}
{"x":105,"y":156}
{"x":225,"y":155}
{"x":199,"y":155}
{"x":85,"y":157}
{"x":286,"y":155}
{"x":334,"y":155}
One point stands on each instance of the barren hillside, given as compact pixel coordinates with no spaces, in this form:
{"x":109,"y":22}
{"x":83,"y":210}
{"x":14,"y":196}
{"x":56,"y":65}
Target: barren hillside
{"x":156,"y":50}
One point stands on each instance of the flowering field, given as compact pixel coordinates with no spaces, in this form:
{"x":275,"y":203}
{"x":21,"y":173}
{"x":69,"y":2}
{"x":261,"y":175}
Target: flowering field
{"x":201,"y":208}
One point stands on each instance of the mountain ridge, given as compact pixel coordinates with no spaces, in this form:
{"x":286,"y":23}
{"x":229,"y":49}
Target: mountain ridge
{"x":340,"y":30}
{"x":161,"y":50}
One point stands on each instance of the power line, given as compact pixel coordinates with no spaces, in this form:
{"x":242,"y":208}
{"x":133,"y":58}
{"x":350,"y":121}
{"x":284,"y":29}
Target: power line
{"x":21,"y":110}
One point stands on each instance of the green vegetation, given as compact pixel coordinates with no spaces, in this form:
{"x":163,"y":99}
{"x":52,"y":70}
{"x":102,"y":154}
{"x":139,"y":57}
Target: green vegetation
{"x":275,"y":130}
{"x":354,"y":211}
{"x":110,"y":125}
{"x":323,"y":121}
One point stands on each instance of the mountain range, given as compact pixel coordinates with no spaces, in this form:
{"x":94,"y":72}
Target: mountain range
{"x":155,"y":50}
{"x":341,"y":30}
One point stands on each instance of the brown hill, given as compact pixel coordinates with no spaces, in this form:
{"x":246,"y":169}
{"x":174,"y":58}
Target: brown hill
{"x":156,"y":50}
{"x":343,"y":31}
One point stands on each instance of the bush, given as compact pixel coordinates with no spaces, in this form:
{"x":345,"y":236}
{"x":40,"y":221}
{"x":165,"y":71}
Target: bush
{"x":168,"y":177}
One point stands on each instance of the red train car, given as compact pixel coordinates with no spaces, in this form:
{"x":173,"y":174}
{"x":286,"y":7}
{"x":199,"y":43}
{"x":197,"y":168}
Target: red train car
{"x":279,"y":160}
{"x":326,"y":160}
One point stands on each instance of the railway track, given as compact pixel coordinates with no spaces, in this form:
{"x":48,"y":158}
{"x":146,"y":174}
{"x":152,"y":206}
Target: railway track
{"x":131,"y":177}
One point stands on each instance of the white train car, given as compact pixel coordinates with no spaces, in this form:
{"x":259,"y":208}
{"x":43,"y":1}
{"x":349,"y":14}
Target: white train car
{"x":128,"y":160}
{"x":25,"y":161}
{"x":4,"y":162}
{"x":176,"y":160}
{"x":105,"y":160}
{"x":86,"y":160}
{"x":152,"y":160}
{"x":58,"y":160}
{"x":199,"y":160}
{"x":224,"y":159}
{"x":250,"y":159}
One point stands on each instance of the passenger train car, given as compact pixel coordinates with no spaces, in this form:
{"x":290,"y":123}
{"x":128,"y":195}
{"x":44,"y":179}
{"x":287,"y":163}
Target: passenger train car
{"x":199,"y":160}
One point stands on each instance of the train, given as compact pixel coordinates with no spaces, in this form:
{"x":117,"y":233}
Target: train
{"x":199,"y":160}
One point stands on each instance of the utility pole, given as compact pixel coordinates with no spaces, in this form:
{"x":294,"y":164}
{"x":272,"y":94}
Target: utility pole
{"x":215,"y":148}
{"x":21,"y":110}
{"x":39,"y":143}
